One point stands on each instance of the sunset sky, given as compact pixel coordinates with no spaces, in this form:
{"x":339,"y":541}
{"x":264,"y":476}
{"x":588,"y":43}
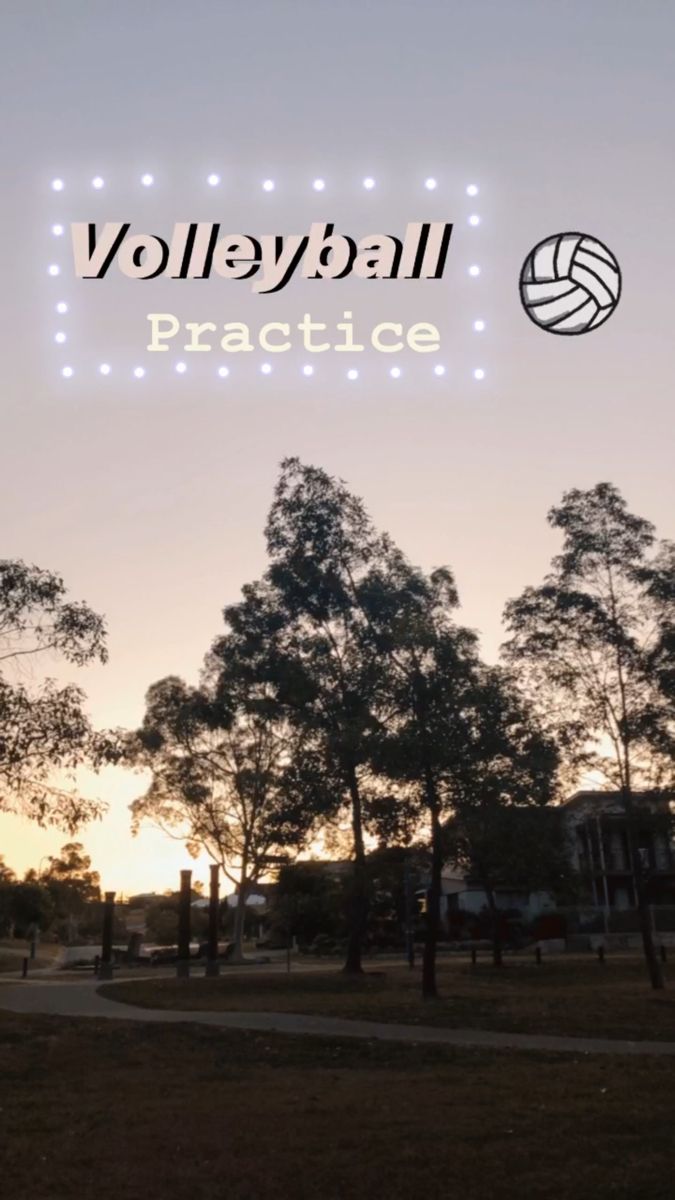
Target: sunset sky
{"x":150,"y":496}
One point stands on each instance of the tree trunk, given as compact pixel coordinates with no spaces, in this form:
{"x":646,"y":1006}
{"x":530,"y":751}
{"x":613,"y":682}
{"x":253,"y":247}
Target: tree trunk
{"x":358,"y":916}
{"x":429,"y":986}
{"x":237,"y":954}
{"x":652,"y":960}
{"x":495,"y":921}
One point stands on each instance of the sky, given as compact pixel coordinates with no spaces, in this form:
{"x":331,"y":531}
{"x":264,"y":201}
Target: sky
{"x":150,"y":497}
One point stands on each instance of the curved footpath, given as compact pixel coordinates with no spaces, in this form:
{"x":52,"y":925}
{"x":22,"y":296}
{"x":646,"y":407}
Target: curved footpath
{"x":82,"y":999}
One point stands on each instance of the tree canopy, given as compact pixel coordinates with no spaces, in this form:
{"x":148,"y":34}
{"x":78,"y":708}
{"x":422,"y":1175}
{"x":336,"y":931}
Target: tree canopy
{"x":44,"y":731}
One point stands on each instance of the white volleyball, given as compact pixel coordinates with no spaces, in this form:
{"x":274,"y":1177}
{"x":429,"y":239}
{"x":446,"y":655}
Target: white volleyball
{"x":570,"y":283}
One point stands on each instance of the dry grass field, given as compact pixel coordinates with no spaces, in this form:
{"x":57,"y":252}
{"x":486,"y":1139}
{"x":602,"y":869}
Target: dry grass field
{"x":126,"y":1111}
{"x":576,"y":996}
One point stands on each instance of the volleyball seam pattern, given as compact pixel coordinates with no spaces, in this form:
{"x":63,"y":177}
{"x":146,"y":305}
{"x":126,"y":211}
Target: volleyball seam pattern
{"x":570,"y":283}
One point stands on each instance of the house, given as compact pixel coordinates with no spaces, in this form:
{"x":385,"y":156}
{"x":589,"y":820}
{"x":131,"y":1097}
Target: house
{"x":597,"y":831}
{"x":598,"y":836}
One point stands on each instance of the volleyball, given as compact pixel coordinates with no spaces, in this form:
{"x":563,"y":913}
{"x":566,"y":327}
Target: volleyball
{"x":570,"y":283}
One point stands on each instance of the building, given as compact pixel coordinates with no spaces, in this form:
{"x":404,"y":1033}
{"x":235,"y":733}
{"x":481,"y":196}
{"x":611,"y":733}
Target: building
{"x":597,"y":832}
{"x":598,"y":836}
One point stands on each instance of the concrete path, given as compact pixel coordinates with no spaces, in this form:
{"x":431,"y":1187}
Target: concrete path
{"x":81,"y":999}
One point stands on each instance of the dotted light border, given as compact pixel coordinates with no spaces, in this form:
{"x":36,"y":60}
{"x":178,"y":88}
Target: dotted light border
{"x":267,"y":185}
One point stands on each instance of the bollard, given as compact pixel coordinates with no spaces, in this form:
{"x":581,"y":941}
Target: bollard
{"x":537,"y":955}
{"x":24,"y":968}
{"x":474,"y":955}
{"x":97,"y":964}
{"x":601,"y":954}
{"x":212,"y":965}
{"x":664,"y":956}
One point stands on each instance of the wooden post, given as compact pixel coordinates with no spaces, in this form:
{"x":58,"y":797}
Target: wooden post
{"x":664,"y":955}
{"x":409,"y":914}
{"x":184,"y":929}
{"x":106,"y":967}
{"x":474,"y":955}
{"x":537,"y":955}
{"x":601,"y":954}
{"x":212,"y":965}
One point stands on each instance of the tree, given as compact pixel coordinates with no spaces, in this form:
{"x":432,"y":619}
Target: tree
{"x":309,"y":902}
{"x":227,"y":777}
{"x":7,"y":882}
{"x":594,"y":643}
{"x":31,"y":908}
{"x":161,"y":920}
{"x":511,"y":846}
{"x":500,"y":832}
{"x":431,"y":667}
{"x":43,"y":730}
{"x":301,"y":630}
{"x":72,"y":885}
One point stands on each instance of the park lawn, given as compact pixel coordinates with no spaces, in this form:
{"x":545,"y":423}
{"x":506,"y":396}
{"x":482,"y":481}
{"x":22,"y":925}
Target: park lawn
{"x":12,"y":954}
{"x":576,"y":996}
{"x":127,"y":1111}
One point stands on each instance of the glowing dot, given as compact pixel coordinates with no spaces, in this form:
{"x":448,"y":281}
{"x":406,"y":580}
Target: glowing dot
{"x":472,"y":190}
{"x":54,"y":269}
{"x":97,"y":182}
{"x":60,"y":337}
{"x":213,"y":180}
{"x":266,"y":369}
{"x":57,"y":185}
{"x":479,"y":373}
{"x":319,"y":185}
{"x":369,"y":183}
{"x":147,"y":180}
{"x":67,"y":372}
{"x":62,"y":307}
{"x":439,"y":369}
{"x":353,"y":374}
{"x":223,"y":372}
{"x":395,"y":372}
{"x":268,"y":185}
{"x":57,"y":230}
{"x":474,"y":270}
{"x":181,"y":368}
{"x":104,"y":369}
{"x":479,"y":326}
{"x":474,"y":219}
{"x":139,"y":372}
{"x":430,"y":184}
{"x":307,"y":370}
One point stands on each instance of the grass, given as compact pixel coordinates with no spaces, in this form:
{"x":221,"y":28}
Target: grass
{"x":13,"y":952}
{"x":125,"y":1111}
{"x":572,"y":996}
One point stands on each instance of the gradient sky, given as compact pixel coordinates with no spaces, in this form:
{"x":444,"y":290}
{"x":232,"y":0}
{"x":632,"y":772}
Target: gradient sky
{"x":152,"y":504}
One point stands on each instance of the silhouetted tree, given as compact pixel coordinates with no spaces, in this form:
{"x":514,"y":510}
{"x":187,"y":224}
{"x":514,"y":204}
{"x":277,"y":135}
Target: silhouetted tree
{"x":43,"y":730}
{"x":227,"y":777}
{"x":499,"y":785}
{"x":302,"y":629}
{"x":31,"y":908}
{"x":430,"y":665}
{"x":72,"y":885}
{"x":594,"y":643}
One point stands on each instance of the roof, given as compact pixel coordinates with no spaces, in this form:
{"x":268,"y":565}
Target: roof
{"x":611,"y":801}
